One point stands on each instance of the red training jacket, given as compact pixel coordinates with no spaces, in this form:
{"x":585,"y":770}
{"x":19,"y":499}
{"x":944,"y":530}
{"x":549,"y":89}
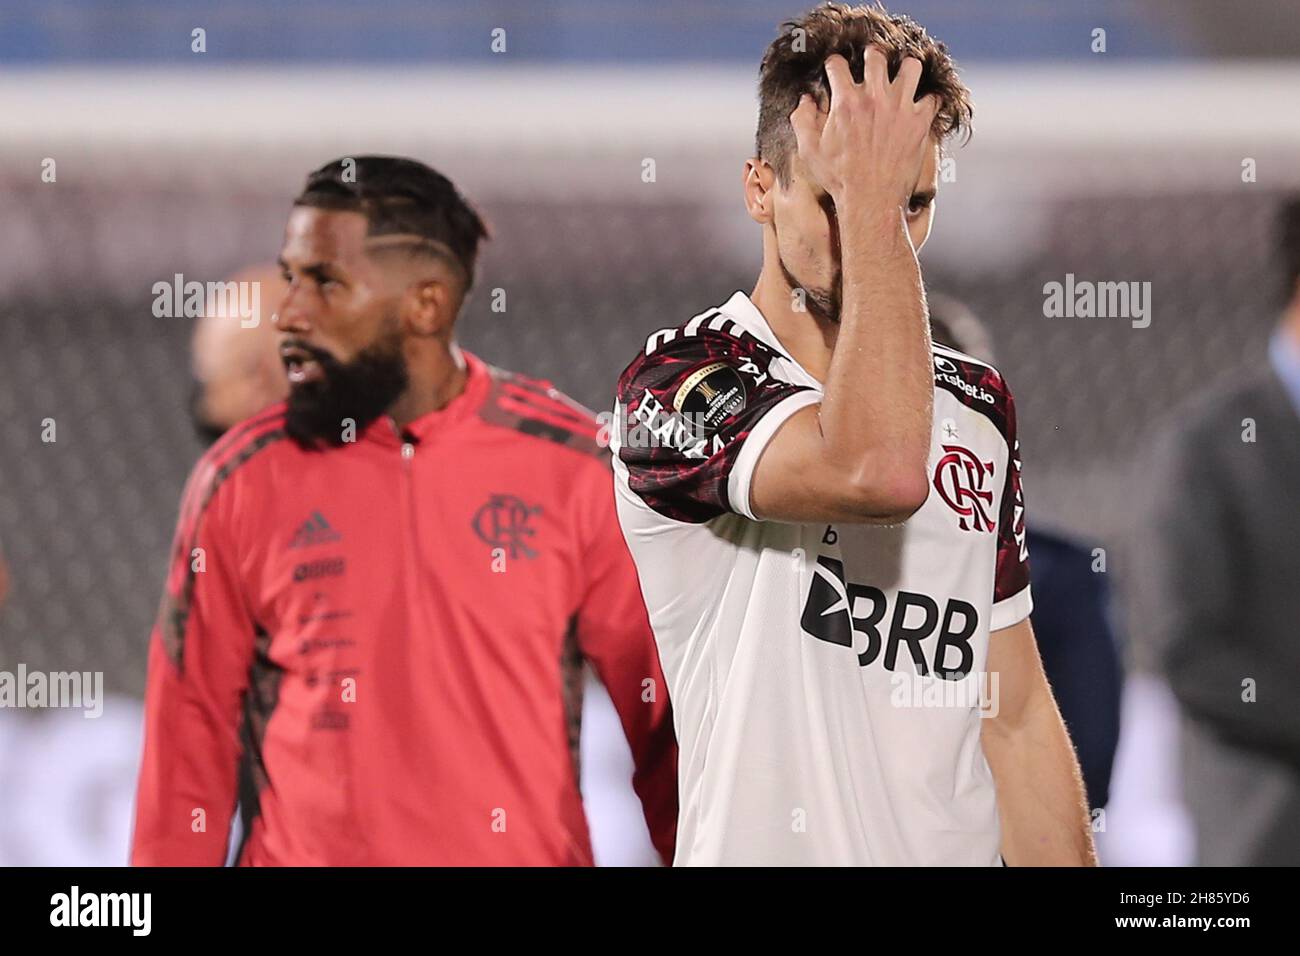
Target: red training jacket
{"x":378,"y":648}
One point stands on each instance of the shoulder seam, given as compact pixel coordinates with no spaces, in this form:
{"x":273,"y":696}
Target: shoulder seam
{"x":588,"y":446}
{"x":241,"y":429}
{"x":574,"y":411}
{"x":964,"y":357}
{"x":220,"y":471}
{"x":554,"y":420}
{"x":542,"y":391}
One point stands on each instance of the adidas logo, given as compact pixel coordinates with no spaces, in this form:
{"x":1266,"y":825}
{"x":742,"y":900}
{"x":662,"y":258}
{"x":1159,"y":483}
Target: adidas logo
{"x":315,"y":530}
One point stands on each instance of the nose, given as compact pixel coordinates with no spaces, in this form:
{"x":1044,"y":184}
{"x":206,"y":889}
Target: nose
{"x":291,"y":316}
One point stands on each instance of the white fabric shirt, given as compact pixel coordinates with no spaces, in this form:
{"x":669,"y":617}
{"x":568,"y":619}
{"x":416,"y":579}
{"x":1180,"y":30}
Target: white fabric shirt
{"x":801,"y":659}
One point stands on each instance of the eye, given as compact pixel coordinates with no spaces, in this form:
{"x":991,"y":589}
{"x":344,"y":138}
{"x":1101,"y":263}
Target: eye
{"x":918,"y":204}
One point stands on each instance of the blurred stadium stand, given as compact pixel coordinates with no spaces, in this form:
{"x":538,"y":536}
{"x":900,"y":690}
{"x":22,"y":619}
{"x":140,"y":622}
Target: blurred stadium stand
{"x":611,"y":31}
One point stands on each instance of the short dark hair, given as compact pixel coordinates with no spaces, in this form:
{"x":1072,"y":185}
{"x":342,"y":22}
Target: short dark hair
{"x":400,"y":196}
{"x":794,"y":64}
{"x":1288,"y":241}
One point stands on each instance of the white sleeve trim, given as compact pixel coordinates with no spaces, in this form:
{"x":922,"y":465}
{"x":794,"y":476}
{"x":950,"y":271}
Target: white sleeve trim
{"x":1012,"y":610}
{"x":742,"y":472}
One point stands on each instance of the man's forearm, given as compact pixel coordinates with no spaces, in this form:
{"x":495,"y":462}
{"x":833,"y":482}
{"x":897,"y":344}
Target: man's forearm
{"x":1041,"y":800}
{"x":880,"y":386}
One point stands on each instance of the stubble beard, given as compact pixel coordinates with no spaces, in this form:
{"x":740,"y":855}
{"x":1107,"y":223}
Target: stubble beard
{"x":823,"y":304}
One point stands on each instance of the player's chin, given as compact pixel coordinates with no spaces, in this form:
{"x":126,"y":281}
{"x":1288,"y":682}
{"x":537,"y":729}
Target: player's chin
{"x":313,"y":398}
{"x":307,"y":387}
{"x":312,"y":419}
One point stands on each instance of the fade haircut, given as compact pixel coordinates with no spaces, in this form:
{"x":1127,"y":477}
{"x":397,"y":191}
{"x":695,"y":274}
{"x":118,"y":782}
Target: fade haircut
{"x":402,"y":198}
{"x":794,"y":64}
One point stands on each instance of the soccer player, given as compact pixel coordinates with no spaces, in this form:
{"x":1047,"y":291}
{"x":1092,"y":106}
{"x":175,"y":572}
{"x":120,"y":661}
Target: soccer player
{"x":825,"y":510}
{"x":382,"y":591}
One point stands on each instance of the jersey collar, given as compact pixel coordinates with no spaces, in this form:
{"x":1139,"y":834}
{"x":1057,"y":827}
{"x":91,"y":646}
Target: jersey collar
{"x":741,"y":308}
{"x":431,"y":424}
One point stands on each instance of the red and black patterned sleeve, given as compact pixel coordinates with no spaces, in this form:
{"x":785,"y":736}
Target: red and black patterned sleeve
{"x":1011,"y":600}
{"x":687,"y":411}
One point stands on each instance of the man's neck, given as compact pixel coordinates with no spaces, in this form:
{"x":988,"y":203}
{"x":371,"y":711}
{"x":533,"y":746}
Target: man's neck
{"x":434,"y":383}
{"x":809,"y":340}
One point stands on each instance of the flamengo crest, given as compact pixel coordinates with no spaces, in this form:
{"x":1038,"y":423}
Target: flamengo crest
{"x":961,"y":478}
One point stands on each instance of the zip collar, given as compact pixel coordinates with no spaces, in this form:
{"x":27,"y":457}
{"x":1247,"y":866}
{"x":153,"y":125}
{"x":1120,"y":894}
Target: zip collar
{"x":428,"y":426}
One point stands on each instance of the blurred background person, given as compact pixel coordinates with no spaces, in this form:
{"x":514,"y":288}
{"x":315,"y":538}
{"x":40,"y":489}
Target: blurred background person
{"x":236,"y":366}
{"x":1220,"y":565}
{"x":1072,"y":614}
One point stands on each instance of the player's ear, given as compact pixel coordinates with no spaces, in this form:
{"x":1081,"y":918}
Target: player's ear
{"x":429,"y":307}
{"x":759,"y":184}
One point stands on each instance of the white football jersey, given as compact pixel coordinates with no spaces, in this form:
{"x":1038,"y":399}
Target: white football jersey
{"x":827,"y":681}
